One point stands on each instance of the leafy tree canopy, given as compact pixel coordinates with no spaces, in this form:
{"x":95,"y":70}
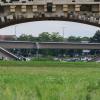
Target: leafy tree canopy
{"x":96,"y":37}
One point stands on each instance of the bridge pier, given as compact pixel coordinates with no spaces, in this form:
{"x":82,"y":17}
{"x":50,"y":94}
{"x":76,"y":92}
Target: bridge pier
{"x":37,"y":49}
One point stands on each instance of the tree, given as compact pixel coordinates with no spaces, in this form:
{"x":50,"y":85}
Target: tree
{"x":73,"y":39}
{"x":25,"y":37}
{"x":85,"y":39}
{"x":44,"y":37}
{"x":96,"y":37}
{"x":55,"y":37}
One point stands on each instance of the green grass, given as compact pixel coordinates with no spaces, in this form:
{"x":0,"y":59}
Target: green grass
{"x":48,"y":64}
{"x":48,"y":80}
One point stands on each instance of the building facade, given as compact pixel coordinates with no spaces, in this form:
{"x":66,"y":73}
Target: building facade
{"x":81,"y":9}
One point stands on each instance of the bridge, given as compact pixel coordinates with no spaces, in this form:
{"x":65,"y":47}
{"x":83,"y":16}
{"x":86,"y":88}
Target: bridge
{"x":20,"y":11}
{"x":4,"y":45}
{"x":47,"y":45}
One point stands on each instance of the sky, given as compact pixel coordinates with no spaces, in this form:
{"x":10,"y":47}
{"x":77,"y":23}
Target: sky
{"x":65,"y":29}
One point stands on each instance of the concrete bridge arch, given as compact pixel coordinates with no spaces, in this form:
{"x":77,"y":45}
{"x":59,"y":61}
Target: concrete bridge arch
{"x":12,"y":20}
{"x":20,"y":11}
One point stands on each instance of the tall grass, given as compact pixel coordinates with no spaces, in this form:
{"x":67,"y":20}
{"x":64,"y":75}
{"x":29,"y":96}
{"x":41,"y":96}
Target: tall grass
{"x":49,"y":81}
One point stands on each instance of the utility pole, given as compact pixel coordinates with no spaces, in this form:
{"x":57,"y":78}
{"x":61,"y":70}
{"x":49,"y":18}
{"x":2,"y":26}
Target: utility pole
{"x":15,"y":29}
{"x":63,"y":31}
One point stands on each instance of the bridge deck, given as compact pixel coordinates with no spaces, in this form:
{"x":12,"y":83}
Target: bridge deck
{"x":48,"y":45}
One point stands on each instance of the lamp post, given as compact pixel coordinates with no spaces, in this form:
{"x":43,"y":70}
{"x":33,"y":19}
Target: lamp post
{"x":15,"y":29}
{"x":63,"y":31}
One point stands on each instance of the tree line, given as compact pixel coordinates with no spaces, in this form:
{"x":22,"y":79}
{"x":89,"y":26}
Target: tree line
{"x":51,"y":37}
{"x":56,"y":37}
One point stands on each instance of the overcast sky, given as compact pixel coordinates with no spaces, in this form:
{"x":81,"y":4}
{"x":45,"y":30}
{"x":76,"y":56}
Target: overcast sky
{"x":35,"y":28}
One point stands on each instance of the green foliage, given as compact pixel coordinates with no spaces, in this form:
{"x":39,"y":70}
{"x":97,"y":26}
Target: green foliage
{"x":48,"y":63}
{"x":42,"y":59}
{"x":96,"y":37}
{"x":25,"y":37}
{"x":47,"y":80}
{"x":44,"y":37}
{"x":74,"y":39}
{"x":85,"y":39}
{"x":77,"y":39}
{"x":53,"y":37}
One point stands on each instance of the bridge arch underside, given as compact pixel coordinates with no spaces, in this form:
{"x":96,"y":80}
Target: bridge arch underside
{"x":15,"y":12}
{"x":9,"y":22}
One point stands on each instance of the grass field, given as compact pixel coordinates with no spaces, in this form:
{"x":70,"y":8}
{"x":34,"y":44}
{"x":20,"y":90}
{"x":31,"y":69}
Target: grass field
{"x":46,"y":80}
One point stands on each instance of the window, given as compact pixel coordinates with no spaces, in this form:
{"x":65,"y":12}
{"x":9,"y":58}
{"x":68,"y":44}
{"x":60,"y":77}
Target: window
{"x":49,"y":7}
